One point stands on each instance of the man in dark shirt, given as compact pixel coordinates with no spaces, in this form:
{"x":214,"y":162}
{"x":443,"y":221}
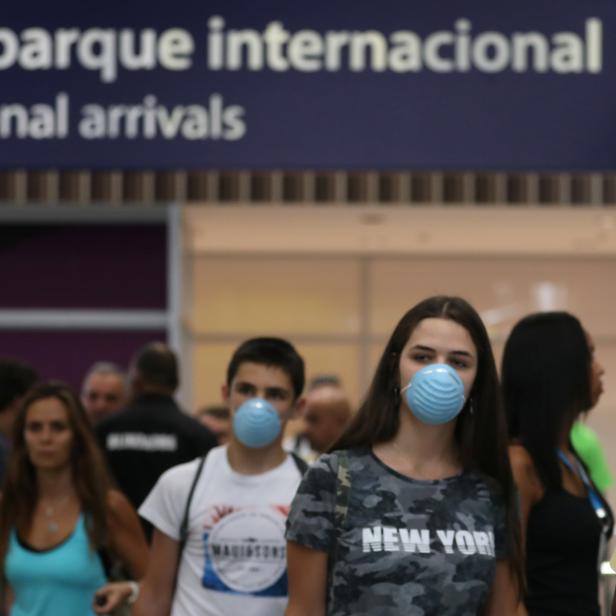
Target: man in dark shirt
{"x":152,"y":434}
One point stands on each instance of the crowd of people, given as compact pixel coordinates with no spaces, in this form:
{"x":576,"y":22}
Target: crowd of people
{"x":447,"y":492}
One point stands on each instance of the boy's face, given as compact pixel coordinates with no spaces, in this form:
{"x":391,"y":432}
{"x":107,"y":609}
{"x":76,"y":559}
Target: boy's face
{"x":271,"y":383}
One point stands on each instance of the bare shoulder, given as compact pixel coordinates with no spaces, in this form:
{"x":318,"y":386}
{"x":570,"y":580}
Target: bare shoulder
{"x":118,"y":506}
{"x":520,"y":459}
{"x":524,"y":471}
{"x":116,"y":500}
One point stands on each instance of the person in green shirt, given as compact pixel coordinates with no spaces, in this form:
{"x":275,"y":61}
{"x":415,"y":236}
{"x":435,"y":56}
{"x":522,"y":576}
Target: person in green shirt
{"x":588,"y":446}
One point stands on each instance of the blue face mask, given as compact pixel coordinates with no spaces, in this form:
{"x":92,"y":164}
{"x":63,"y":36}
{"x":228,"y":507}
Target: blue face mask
{"x":256,"y":423}
{"x":435,"y":394}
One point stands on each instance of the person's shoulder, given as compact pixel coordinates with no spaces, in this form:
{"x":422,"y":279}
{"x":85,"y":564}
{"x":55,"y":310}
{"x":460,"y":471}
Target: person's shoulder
{"x":175,"y":479}
{"x":520,"y":459}
{"x":583,"y":436}
{"x":337,"y":465}
{"x":115,"y":421}
{"x":186,"y":469}
{"x":485,"y":486}
{"x":525,"y":473}
{"x":331,"y":461}
{"x":109,"y":422}
{"x":117,"y":501}
{"x":353,"y":454}
{"x":118,"y":506}
{"x":194,"y":429}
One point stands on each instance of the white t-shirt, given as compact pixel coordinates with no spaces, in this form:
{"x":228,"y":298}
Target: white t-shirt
{"x":234,"y":561}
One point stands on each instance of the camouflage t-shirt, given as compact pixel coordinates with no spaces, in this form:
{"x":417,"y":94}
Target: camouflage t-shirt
{"x":404,"y":546}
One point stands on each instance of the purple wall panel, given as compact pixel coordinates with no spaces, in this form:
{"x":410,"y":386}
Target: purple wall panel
{"x":67,"y":355}
{"x":83,"y":266}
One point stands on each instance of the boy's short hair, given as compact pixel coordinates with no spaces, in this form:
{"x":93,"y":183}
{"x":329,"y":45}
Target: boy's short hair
{"x":270,"y":352}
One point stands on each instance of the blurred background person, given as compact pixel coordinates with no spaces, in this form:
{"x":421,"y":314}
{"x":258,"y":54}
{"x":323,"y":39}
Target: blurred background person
{"x":104,"y":390}
{"x":16,"y":379}
{"x":60,"y":513}
{"x":217,"y":419}
{"x":588,"y":446}
{"x":326,"y":414}
{"x":153,"y":433}
{"x":549,"y":374}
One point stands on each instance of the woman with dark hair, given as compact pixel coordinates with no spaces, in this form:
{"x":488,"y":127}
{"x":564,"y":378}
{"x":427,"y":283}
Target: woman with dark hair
{"x":413,"y":511}
{"x":550,"y":378}
{"x":59,"y":514}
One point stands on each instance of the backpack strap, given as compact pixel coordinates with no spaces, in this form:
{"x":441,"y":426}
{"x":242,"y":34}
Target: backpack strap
{"x":184,"y":524}
{"x":341,"y":509}
{"x":343,"y":490}
{"x":302,"y":465}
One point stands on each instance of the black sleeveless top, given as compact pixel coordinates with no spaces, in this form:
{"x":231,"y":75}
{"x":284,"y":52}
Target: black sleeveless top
{"x":562,"y":552}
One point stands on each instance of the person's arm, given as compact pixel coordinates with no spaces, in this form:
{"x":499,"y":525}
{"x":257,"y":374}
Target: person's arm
{"x":307,"y":569}
{"x":158,"y":585}
{"x":126,"y":538}
{"x":530,"y":490}
{"x":311,"y":536}
{"x":504,"y":599}
{"x":127,"y":544}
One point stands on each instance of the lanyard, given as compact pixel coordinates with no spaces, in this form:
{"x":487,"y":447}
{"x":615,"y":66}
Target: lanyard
{"x":593,"y":497}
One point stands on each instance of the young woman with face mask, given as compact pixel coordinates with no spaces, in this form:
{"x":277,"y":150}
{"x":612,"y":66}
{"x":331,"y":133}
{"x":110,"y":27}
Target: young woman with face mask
{"x":413,"y":511}
{"x":550,"y":379}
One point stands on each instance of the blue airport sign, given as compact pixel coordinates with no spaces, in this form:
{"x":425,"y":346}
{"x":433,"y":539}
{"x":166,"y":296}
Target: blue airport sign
{"x":477,"y":85}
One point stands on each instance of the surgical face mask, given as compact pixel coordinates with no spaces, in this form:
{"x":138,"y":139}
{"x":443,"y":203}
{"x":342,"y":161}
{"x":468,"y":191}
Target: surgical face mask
{"x":435,"y":394}
{"x":256,"y":423}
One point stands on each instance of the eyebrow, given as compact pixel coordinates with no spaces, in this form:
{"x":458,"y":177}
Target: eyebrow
{"x":421,"y":347}
{"x":270,"y":390}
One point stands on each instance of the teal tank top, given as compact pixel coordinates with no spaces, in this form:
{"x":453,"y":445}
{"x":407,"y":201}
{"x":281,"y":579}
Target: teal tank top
{"x":61,"y":580}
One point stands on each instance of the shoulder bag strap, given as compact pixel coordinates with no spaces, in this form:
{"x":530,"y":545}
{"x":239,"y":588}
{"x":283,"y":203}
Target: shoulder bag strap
{"x":343,"y":491}
{"x":301,"y":465}
{"x":184,"y":524}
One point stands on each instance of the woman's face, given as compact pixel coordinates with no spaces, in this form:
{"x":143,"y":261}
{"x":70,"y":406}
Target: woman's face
{"x":48,"y":434}
{"x":596,"y":373}
{"x":440,"y":341}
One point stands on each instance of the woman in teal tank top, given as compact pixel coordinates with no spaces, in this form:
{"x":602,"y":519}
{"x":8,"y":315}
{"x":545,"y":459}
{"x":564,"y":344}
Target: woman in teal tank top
{"x":60,"y":514}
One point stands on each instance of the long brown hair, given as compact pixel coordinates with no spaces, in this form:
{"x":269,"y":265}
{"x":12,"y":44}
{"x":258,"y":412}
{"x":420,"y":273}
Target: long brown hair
{"x":90,"y":476}
{"x":481,"y":430}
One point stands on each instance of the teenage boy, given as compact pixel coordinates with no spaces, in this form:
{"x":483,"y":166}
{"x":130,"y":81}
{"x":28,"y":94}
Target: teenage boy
{"x":232,"y":559}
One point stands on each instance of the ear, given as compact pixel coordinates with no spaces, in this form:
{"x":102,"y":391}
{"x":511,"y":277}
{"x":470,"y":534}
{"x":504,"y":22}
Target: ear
{"x":298,"y":408}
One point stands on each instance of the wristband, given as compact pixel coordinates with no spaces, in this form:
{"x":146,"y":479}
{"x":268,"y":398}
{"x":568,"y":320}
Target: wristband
{"x":134,"y":592}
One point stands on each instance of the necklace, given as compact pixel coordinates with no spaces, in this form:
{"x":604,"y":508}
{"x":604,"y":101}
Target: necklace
{"x":50,"y":514}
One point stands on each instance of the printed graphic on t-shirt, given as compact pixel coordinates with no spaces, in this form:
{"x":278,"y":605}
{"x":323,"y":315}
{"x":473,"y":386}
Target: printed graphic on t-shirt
{"x":245,"y":551}
{"x":413,"y":540}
